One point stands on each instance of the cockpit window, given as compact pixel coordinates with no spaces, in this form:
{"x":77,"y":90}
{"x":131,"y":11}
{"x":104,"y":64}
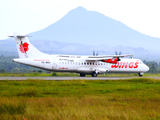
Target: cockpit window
{"x":141,"y":62}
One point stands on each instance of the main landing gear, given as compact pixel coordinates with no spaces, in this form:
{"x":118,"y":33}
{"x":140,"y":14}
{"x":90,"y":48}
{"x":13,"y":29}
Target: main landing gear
{"x":94,"y":74}
{"x":82,"y":75}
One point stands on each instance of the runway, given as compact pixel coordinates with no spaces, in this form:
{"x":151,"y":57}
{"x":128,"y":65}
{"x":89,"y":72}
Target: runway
{"x":71,"y":78}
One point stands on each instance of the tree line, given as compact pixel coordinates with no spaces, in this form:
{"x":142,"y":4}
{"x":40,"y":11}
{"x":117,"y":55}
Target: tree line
{"x":154,"y":67}
{"x":7,"y":65}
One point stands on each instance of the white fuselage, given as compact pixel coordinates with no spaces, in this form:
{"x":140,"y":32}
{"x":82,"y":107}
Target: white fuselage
{"x":94,"y":65}
{"x":79,"y":64}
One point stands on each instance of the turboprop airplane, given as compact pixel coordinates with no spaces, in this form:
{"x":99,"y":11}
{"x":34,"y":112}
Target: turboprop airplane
{"x":93,"y":65}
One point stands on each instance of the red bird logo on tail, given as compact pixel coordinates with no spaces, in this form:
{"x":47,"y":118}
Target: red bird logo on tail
{"x":24,"y":47}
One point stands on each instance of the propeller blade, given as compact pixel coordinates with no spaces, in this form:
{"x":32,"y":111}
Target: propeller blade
{"x":97,"y":54}
{"x":93,"y":53}
{"x":116,"y":53}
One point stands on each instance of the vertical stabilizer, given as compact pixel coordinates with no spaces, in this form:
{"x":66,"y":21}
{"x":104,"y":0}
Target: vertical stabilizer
{"x":25,"y":48}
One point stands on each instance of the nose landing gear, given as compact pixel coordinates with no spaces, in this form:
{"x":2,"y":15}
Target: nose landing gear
{"x":140,"y":74}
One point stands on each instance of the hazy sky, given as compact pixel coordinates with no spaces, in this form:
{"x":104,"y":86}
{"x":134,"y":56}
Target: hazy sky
{"x":26,"y":16}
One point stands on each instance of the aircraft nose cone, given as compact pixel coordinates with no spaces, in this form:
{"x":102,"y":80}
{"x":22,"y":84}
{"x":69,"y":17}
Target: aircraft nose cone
{"x":147,"y":68}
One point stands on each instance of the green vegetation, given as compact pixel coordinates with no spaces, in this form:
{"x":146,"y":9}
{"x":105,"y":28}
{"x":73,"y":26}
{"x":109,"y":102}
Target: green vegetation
{"x":154,"y":66}
{"x":135,"y":99}
{"x":63,"y":74}
{"x":6,"y":65}
{"x":40,"y":74}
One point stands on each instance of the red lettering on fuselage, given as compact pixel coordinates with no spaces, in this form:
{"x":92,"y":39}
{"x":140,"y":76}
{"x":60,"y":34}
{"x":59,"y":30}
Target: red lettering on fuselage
{"x":136,"y":65}
{"x":125,"y":65}
{"x":120,"y":64}
{"x":131,"y":64}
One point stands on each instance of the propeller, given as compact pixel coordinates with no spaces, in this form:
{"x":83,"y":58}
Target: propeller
{"x":94,"y":53}
{"x":118,"y":53}
{"x":97,"y":53}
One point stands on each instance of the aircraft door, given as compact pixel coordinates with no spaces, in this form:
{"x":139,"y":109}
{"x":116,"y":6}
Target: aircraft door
{"x":54,"y":65}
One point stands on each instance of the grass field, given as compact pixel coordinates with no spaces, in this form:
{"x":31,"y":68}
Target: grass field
{"x":74,"y":74}
{"x":133,"y":99}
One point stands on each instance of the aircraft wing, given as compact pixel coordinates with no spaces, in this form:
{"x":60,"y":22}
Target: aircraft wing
{"x":106,"y":57}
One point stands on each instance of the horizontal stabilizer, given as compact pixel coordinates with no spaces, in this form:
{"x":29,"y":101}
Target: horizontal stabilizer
{"x":20,"y":36}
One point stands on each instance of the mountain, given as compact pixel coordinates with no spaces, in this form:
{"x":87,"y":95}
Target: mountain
{"x":8,"y":48}
{"x":90,"y":27}
{"x":81,"y":31}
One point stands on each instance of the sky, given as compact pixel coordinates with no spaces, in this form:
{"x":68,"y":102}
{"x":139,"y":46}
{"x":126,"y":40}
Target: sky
{"x":26,"y":16}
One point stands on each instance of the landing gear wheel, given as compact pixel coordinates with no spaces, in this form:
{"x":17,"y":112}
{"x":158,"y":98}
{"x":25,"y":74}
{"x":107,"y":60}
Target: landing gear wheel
{"x":82,"y":75}
{"x":94,"y":74}
{"x":140,"y":74}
